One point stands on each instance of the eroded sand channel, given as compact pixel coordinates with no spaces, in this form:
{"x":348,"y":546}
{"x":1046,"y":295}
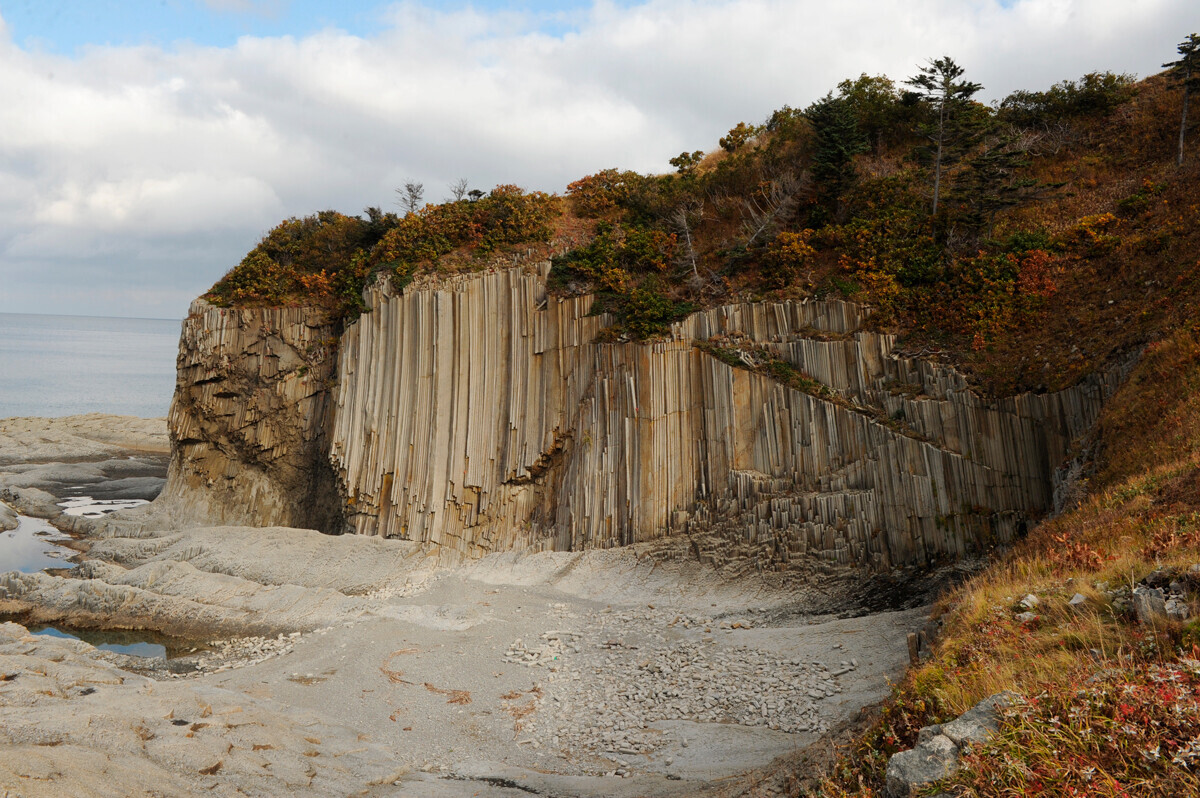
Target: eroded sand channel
{"x":362,"y":666}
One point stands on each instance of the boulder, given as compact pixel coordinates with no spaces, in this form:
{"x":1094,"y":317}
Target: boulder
{"x":1149,"y":603}
{"x":8,"y":518}
{"x":1158,"y":578}
{"x":932,"y":760}
{"x":938,"y":748}
{"x":1176,"y":609}
{"x":31,"y":501}
{"x":979,"y":722}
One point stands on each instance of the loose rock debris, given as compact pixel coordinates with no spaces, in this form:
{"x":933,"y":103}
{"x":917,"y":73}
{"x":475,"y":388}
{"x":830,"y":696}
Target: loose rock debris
{"x":607,"y":685}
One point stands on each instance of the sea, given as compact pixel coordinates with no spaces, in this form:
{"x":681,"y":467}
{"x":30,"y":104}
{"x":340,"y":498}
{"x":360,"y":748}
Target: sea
{"x":66,"y":365}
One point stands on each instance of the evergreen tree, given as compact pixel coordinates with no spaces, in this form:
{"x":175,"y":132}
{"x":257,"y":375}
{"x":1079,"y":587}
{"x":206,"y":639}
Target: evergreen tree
{"x":1186,"y":72}
{"x":939,"y":84}
{"x":992,"y":182}
{"x":837,"y":140}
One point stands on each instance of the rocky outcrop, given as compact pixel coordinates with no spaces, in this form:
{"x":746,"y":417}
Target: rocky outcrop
{"x":479,"y":414}
{"x":250,"y":418}
{"x":939,"y":747}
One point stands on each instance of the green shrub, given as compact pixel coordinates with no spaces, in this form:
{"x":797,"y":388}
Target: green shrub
{"x":1022,"y":241}
{"x":645,"y":311}
{"x":612,"y":259}
{"x":1095,"y":94}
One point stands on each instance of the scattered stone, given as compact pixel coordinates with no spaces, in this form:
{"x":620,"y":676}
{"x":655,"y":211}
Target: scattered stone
{"x":1027,"y":617}
{"x":1105,"y":674}
{"x":238,"y":652}
{"x":1078,"y":601}
{"x":609,"y":701}
{"x":1030,"y":602}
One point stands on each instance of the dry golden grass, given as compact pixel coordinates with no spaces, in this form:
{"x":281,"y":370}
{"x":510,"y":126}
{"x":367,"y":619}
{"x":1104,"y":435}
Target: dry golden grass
{"x":1135,"y":685}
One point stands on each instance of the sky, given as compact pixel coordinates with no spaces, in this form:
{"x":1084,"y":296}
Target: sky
{"x":147,"y":145}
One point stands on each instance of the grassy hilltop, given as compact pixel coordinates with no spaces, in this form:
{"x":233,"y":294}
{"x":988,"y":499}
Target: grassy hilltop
{"x":1066,"y":232}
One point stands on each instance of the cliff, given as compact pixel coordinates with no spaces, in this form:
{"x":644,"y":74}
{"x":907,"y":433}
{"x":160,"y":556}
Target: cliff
{"x":250,"y":418}
{"x":479,"y":414}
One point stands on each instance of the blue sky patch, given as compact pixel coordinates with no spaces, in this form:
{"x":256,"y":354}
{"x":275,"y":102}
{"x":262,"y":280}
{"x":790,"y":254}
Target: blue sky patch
{"x":65,"y":26}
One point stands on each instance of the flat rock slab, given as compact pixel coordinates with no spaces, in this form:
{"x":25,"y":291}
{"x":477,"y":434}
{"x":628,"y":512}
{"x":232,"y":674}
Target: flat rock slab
{"x":133,"y":477}
{"x":74,"y":438}
{"x":74,"y":724}
{"x":589,"y":674}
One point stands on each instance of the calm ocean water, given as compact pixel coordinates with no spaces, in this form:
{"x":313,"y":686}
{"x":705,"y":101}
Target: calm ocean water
{"x":63,"y":365}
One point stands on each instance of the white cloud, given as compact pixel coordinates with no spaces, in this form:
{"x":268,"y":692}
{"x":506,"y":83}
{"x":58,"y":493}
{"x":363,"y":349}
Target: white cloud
{"x":186,"y":156}
{"x":180,"y":203}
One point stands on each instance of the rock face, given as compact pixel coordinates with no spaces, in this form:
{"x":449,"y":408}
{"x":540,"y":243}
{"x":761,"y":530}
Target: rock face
{"x":250,"y":419}
{"x":478,"y":414}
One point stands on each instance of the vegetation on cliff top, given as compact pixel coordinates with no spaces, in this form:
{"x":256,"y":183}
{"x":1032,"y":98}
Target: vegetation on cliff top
{"x":1030,"y":241}
{"x":326,"y":259}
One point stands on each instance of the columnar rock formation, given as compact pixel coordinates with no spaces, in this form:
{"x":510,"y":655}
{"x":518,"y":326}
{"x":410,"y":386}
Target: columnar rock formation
{"x":479,"y":414}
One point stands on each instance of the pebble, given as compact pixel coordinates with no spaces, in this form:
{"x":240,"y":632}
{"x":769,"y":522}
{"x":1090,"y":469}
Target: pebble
{"x":607,"y":685}
{"x":241,"y":651}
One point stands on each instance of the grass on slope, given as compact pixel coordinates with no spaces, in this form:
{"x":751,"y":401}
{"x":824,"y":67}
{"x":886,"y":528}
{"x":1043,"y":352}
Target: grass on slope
{"x":1113,"y":705}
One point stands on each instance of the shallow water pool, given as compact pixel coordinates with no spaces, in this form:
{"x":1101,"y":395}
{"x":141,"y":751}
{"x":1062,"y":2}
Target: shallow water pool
{"x":133,"y":643}
{"x":32,"y":547}
{"x":35,"y":546}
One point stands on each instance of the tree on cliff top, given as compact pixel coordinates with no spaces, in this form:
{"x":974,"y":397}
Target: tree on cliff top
{"x":411,"y":197}
{"x":938,"y":83}
{"x":837,"y":139}
{"x":1186,"y":72}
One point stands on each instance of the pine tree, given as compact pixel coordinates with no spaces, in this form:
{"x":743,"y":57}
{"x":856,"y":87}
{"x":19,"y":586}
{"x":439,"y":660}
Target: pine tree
{"x":1186,"y":72}
{"x":992,"y":182}
{"x":939,"y":84}
{"x":837,"y":141}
